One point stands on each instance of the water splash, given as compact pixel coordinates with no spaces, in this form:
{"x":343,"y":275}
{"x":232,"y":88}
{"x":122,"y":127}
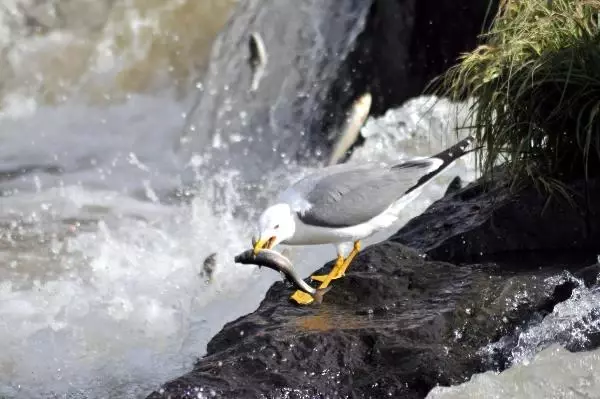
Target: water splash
{"x":121,"y":301}
{"x":540,"y":364}
{"x":429,"y":123}
{"x":553,"y":373}
{"x":570,"y":324}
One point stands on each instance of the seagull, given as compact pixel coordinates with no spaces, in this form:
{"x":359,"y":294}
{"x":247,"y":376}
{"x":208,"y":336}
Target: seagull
{"x":346,"y":203}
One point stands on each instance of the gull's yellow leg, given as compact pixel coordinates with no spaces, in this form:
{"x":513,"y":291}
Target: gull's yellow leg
{"x":334,"y":273}
{"x":340,"y":267}
{"x":338,"y":270}
{"x":302,"y":298}
{"x":349,"y":259}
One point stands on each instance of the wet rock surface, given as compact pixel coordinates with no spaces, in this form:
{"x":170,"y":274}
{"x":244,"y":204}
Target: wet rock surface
{"x":488,"y":221}
{"x":395,"y":326}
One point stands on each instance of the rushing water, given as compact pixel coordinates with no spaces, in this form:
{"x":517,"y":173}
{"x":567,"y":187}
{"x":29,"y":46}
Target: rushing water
{"x":541,"y":364}
{"x":101,"y":286}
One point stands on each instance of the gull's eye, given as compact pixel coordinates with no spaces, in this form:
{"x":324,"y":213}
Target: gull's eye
{"x":276,"y":226}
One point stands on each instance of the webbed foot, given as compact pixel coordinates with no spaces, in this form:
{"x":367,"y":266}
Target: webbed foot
{"x":302,"y":298}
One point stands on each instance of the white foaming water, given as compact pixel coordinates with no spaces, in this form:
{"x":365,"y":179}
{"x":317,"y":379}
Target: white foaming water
{"x":570,"y":323}
{"x":554,"y":373}
{"x":116,"y":311}
{"x":541,"y":367}
{"x":428,"y":123}
{"x":103,"y":296}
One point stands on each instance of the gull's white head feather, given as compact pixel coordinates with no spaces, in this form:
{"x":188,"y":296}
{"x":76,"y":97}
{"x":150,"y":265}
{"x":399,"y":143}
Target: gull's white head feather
{"x":276,"y":224}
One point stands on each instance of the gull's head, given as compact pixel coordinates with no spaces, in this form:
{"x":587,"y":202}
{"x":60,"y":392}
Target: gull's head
{"x":276,"y":224}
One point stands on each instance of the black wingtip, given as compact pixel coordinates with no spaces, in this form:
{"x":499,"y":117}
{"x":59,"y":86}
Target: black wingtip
{"x":447,"y":157}
{"x":454,"y":152}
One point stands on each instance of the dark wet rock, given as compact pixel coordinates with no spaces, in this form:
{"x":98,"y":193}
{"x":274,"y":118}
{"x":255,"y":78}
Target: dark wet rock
{"x":407,"y":43}
{"x":396,"y":325}
{"x":455,"y":185}
{"x":589,"y":275}
{"x":484,"y":221}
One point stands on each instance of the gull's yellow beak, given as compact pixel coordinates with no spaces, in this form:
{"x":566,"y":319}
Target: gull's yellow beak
{"x":263,"y":244}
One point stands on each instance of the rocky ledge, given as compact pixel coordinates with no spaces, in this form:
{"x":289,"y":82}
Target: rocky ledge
{"x":405,"y":319}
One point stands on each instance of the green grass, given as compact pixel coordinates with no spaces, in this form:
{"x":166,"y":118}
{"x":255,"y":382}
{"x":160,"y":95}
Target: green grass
{"x":535,"y":82}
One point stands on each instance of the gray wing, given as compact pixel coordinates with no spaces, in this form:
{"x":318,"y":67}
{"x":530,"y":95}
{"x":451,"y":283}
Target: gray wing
{"x":307,"y":183}
{"x":351,"y":197}
{"x":341,"y":196}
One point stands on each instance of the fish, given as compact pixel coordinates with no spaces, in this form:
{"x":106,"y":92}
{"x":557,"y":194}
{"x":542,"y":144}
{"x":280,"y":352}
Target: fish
{"x":258,"y":59}
{"x":208,"y":266}
{"x":276,"y":261}
{"x":355,"y":118}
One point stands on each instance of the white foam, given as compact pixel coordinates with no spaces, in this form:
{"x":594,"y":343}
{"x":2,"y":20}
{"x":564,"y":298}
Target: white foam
{"x":130,"y":288}
{"x":422,"y":126}
{"x":570,"y":323}
{"x":553,"y":373}
{"x":541,"y":367}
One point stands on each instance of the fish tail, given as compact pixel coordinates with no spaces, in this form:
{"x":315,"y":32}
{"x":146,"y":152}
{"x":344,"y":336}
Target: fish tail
{"x":318,"y":295}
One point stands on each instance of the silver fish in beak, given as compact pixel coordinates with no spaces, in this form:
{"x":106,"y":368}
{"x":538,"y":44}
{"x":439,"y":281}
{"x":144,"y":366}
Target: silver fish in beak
{"x":276,"y":261}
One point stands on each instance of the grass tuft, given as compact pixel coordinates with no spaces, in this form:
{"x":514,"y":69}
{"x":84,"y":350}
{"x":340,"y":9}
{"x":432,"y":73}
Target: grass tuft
{"x":535,"y":82}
